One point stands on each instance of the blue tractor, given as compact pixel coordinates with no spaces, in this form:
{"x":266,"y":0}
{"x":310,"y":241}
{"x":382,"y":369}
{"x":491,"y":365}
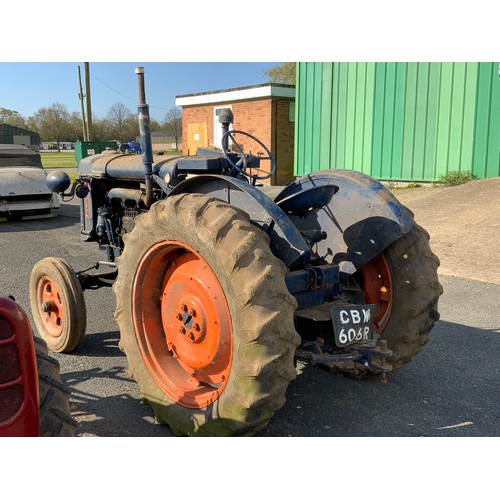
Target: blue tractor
{"x":132,"y":147}
{"x":222,"y":283}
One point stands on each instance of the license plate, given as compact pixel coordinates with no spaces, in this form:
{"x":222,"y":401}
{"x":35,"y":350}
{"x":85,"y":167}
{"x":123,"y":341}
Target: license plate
{"x":352,"y":323}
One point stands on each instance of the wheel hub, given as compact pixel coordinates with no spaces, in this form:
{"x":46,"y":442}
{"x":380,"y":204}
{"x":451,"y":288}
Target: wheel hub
{"x":191,"y":325}
{"x":378,"y":289}
{"x":51,"y":306}
{"x":186,"y":337}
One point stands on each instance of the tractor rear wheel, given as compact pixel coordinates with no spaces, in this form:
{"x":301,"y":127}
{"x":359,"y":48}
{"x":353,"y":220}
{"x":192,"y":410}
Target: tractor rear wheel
{"x":57,"y":304}
{"x":55,"y":412}
{"x":403,"y":282}
{"x":205,"y":317}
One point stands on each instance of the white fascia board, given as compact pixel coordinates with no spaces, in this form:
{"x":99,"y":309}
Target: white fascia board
{"x":235,"y":95}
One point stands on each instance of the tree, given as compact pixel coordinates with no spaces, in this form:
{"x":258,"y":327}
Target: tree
{"x":154,"y":125}
{"x":282,"y":73}
{"x":54,"y":123}
{"x":12,"y":117}
{"x":75,"y":123}
{"x":172,"y":125}
{"x":120,"y":123}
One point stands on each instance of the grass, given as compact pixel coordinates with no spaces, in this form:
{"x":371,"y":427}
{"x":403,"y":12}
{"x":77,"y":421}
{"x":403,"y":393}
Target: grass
{"x":171,"y":152}
{"x":58,"y":160}
{"x":455,"y":178}
{"x":410,"y":185}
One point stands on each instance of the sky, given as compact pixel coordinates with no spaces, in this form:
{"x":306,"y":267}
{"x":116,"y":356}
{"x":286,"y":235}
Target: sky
{"x":196,"y":46}
{"x":27,"y":86}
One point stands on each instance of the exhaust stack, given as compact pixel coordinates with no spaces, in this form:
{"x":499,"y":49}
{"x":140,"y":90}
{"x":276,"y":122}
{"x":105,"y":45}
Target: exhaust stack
{"x":145,"y":131}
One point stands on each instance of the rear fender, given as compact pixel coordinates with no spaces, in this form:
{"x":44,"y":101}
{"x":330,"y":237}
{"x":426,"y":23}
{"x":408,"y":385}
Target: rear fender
{"x":18,"y":373}
{"x":359,"y":215}
{"x":286,"y":242}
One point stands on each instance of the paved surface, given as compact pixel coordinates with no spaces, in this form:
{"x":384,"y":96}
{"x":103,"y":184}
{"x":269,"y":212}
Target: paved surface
{"x":450,"y":389}
{"x":464,"y":224}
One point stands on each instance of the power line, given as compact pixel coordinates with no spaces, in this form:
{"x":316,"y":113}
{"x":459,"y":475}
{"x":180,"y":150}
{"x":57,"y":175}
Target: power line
{"x":123,"y":95}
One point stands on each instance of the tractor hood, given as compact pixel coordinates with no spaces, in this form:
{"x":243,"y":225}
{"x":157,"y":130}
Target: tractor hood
{"x":22,"y":181}
{"x":118,"y":165}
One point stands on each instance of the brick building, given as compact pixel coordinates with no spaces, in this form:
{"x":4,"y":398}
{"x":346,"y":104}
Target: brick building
{"x":266,"y":111}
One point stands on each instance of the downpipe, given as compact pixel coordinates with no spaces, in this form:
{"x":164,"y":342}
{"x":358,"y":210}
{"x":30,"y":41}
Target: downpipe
{"x":145,"y":131}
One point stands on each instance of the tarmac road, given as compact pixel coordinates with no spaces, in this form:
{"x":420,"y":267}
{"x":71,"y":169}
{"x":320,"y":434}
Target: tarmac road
{"x":450,"y":389}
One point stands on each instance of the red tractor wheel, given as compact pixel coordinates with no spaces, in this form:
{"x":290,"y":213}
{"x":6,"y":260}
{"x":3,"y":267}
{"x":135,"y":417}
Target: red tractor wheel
{"x":186,"y":343}
{"x":377,"y":287}
{"x":403,"y":282}
{"x":205,"y":318}
{"x":57,"y":304}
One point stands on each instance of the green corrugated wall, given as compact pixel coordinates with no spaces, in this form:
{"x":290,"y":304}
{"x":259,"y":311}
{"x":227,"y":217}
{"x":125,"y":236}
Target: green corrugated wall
{"x":398,"y":121}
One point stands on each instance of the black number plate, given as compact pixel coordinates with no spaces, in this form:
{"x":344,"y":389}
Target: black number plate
{"x":352,"y":323}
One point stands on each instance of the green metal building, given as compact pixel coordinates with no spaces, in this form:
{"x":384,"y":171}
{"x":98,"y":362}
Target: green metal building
{"x":9,"y":134}
{"x":398,"y":121}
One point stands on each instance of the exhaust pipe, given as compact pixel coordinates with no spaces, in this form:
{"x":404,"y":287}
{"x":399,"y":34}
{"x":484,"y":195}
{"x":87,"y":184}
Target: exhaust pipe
{"x":145,"y":131}
{"x":225,"y":119}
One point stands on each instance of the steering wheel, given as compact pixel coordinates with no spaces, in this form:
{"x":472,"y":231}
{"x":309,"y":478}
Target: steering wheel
{"x":241,"y":165}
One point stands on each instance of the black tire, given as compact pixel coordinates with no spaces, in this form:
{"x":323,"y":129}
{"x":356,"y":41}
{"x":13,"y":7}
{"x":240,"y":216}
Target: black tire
{"x":261,"y":314}
{"x":63,"y":327}
{"x":55,"y":413}
{"x":415,"y":293}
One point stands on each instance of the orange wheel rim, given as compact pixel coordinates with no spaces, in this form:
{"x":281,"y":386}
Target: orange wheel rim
{"x":377,"y":287}
{"x":50,"y":306}
{"x":182,"y":324}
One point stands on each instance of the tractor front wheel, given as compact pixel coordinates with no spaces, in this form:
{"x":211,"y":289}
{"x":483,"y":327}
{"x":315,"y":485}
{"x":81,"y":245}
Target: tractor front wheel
{"x":205,"y":318}
{"x":57,"y":304}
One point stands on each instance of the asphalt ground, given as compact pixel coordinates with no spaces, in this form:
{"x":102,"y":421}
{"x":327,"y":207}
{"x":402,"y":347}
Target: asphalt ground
{"x":450,"y":390}
{"x":425,"y":398}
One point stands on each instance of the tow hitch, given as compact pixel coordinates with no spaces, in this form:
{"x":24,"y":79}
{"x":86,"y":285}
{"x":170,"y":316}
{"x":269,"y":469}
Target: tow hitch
{"x":373,"y":355}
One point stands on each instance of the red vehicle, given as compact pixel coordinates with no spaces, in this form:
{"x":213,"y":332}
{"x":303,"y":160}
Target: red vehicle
{"x":33,"y":400}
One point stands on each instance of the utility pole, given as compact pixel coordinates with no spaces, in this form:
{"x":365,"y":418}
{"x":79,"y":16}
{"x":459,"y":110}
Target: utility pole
{"x":89,"y":110}
{"x":81,"y":96}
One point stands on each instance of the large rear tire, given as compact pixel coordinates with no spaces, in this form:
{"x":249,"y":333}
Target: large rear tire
{"x":403,"y":282}
{"x":55,"y":412}
{"x":205,"y":317}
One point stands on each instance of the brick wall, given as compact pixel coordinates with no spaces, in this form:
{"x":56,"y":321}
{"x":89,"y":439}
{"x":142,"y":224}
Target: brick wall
{"x":284,"y":146}
{"x":267,"y":119}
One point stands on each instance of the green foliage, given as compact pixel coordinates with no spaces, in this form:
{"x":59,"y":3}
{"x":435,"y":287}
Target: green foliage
{"x":396,"y":185}
{"x":73,"y":176}
{"x":12,"y":117}
{"x":455,"y":178}
{"x":282,"y":73}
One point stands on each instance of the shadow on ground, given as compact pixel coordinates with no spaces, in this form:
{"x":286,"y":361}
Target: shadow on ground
{"x":424,"y":398}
